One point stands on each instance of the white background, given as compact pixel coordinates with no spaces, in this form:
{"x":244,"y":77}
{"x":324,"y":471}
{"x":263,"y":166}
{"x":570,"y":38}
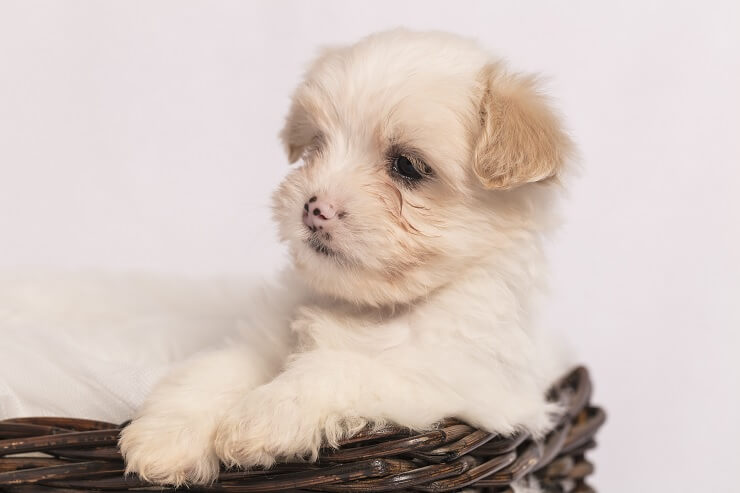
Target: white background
{"x":142,"y":135}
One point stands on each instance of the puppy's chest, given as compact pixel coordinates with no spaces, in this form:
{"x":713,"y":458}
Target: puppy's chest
{"x":327,"y":328}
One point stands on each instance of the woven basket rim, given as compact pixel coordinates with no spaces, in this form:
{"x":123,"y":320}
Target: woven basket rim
{"x":78,"y":454}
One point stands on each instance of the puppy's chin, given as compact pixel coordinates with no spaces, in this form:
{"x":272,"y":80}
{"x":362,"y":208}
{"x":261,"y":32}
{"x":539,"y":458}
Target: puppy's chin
{"x":331,"y":272}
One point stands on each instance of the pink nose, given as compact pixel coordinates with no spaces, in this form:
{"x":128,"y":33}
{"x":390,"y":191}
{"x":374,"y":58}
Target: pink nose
{"x":318,"y":214}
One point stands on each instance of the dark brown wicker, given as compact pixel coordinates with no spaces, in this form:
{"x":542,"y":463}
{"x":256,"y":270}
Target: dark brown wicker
{"x":78,"y":455}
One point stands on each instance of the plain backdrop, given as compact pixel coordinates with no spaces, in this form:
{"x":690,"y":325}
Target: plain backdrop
{"x":143,"y":136}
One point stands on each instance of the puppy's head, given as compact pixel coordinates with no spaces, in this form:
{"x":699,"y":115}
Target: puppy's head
{"x":421,"y":157}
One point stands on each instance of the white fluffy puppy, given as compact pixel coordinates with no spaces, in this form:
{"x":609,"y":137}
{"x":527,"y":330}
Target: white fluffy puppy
{"x":415,"y":227}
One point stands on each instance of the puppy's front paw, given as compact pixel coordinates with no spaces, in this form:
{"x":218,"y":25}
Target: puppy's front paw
{"x":264,"y":428}
{"x":276,"y":424}
{"x":169,"y":451}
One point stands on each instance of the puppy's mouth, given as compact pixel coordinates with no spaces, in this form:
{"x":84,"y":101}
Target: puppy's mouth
{"x":317,"y":244}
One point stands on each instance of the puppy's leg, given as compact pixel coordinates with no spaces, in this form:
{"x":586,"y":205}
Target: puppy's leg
{"x":171,"y":439}
{"x":324,"y":396}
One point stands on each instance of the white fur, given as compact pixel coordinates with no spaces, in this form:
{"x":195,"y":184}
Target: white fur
{"x":423,"y":309}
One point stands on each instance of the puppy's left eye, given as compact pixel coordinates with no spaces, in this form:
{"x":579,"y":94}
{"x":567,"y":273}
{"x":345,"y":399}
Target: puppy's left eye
{"x":404,"y":167}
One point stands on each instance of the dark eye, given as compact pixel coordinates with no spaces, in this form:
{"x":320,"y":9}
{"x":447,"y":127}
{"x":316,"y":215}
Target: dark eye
{"x":404,"y":167}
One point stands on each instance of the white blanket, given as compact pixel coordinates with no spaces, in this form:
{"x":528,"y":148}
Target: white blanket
{"x":93,"y":345}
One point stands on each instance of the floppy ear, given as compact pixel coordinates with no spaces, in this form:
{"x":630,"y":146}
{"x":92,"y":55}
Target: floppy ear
{"x":307,"y":106}
{"x":299,"y":131}
{"x":520,"y":140}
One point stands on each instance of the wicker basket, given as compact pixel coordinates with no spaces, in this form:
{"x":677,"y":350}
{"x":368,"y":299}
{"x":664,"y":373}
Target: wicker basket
{"x":80,"y":455}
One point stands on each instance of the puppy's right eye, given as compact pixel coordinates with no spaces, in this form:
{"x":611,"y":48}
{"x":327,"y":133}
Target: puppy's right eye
{"x":405,"y":168}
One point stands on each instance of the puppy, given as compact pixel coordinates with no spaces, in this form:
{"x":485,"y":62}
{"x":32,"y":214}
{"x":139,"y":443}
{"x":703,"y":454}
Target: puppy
{"x":414,"y":223}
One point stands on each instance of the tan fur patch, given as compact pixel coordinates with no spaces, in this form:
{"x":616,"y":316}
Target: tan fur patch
{"x":521,"y":140}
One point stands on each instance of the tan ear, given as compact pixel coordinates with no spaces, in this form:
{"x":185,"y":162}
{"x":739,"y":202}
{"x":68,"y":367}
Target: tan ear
{"x":521,"y":140}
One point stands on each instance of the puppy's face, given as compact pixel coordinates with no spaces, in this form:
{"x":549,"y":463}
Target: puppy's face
{"x":417,"y":152}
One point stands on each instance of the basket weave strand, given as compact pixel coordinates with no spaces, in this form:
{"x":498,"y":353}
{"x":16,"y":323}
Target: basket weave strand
{"x":80,"y":455}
